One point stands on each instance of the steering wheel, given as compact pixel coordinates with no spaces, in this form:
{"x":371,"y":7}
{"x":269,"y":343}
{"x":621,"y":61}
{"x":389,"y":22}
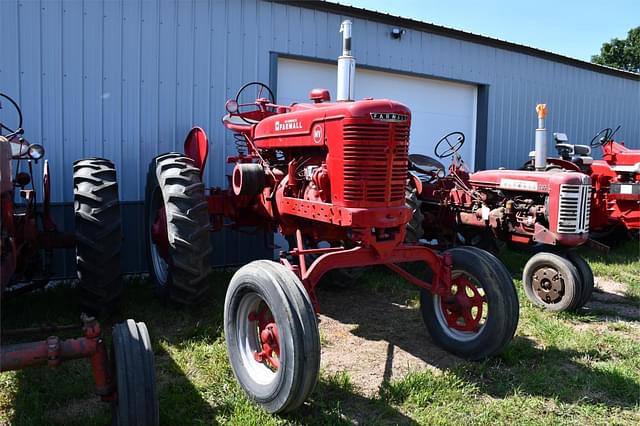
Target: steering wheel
{"x":607,"y":134}
{"x":17,"y":130}
{"x":259,"y":100}
{"x":452,"y":147}
{"x":601,"y":137}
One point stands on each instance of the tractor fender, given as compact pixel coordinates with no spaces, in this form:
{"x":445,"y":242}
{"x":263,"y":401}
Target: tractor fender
{"x":415,"y":181}
{"x":196,"y":147}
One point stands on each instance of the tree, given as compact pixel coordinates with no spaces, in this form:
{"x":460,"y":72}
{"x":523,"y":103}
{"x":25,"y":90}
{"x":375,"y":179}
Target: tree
{"x":623,"y":54}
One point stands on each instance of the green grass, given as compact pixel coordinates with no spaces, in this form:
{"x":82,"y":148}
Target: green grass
{"x":576,"y":368}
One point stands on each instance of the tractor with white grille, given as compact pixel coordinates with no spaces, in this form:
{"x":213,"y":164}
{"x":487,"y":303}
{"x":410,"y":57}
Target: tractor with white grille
{"x":546,"y":208}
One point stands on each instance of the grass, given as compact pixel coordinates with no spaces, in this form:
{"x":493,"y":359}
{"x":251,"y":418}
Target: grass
{"x":580,"y":368}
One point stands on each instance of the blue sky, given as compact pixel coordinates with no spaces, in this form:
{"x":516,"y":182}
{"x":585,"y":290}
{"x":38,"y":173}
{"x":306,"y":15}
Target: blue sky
{"x":569,"y":27}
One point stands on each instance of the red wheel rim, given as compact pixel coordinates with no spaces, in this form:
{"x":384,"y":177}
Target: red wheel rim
{"x":267,"y":332}
{"x":463,"y":308}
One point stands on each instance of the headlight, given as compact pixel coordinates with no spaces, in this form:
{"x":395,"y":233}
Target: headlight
{"x":231,"y":106}
{"x":36,"y":151}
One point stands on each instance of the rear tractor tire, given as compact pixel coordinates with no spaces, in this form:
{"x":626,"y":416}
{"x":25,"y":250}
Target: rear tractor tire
{"x":479,"y":317}
{"x":132,"y":357}
{"x":272,"y":336}
{"x":177,"y":229}
{"x":98,"y":230}
{"x":552,"y":282}
{"x":414,"y":227}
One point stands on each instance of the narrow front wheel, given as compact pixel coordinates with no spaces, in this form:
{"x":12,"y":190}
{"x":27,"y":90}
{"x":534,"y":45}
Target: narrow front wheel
{"x":478,"y":315}
{"x":552,"y":282}
{"x":272,"y":335}
{"x":132,"y":356}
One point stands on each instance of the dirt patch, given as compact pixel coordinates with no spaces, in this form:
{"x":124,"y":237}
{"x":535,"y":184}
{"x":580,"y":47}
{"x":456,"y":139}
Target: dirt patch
{"x":611,"y":296}
{"x":375,"y":336}
{"x":604,"y":285}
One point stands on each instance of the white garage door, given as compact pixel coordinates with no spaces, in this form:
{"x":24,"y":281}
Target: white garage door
{"x":437,"y":107}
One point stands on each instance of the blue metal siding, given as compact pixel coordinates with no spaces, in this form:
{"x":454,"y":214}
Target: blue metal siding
{"x":126,"y":79}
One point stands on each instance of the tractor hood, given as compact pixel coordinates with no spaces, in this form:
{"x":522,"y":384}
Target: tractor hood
{"x":528,"y":181}
{"x":304,"y":124}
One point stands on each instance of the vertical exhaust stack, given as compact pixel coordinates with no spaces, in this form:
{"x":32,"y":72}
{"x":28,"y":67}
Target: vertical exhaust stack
{"x":541,"y":139}
{"x":346,"y":65}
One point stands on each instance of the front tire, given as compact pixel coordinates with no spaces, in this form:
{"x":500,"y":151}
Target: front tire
{"x":98,"y":230}
{"x":272,"y":335}
{"x":480,"y":315}
{"x":552,"y":282}
{"x":177,"y":229}
{"x":586,"y":277}
{"x":132,"y":356}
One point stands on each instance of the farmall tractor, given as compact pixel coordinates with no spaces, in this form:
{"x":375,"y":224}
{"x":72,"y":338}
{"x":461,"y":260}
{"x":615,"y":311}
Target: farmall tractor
{"x":323,"y":171}
{"x":615,"y":180}
{"x":124,"y":377}
{"x":545,"y":208}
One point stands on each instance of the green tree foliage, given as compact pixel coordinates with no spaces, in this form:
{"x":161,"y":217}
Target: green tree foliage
{"x":623,"y":54}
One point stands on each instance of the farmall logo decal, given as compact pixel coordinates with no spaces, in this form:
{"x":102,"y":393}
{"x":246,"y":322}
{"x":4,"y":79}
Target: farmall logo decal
{"x":388,"y":116}
{"x":290,"y":124}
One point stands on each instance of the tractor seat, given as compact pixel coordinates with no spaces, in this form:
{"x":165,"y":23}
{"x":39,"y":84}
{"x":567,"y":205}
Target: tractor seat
{"x":425,"y":163}
{"x":582,"y":149}
{"x":570,"y":149}
{"x":236,"y":120}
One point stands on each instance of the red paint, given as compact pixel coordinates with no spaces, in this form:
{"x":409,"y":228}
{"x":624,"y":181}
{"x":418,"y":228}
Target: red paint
{"x":335,"y":172}
{"x":196,"y":147}
{"x":53,"y":351}
{"x":159,"y":233}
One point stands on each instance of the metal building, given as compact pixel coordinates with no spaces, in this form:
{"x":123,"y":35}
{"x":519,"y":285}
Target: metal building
{"x":126,"y":79}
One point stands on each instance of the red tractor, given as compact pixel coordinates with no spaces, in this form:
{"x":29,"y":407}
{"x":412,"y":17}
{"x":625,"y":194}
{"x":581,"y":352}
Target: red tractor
{"x":319,"y":172}
{"x":28,"y":236}
{"x":546,"y":208}
{"x":615,"y":180}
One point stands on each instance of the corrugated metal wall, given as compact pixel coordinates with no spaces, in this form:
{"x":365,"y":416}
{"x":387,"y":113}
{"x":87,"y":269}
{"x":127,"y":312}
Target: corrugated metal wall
{"x":126,"y":79}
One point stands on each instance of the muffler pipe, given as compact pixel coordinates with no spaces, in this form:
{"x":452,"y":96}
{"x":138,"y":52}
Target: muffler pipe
{"x":346,"y":65}
{"x":540,"y":161}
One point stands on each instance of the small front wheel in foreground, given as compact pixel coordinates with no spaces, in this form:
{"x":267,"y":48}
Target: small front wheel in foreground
{"x":132,"y":356}
{"x":552,"y":282}
{"x":272,"y":335}
{"x":479,"y":315}
{"x":586,"y":277}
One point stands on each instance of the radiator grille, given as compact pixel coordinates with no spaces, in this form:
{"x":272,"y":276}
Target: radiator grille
{"x":375,"y":162}
{"x":574,"y":210}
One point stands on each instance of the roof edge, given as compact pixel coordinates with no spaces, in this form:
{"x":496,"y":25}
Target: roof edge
{"x":408,"y":23}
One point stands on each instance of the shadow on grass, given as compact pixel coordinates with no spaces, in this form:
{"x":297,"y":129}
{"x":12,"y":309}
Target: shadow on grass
{"x":552,"y":373}
{"x":378,"y":305}
{"x":65,"y":395}
{"x":334,"y":402}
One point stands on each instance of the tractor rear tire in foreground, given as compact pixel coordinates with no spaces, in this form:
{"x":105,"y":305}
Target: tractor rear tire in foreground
{"x":175,"y":204}
{"x":479,"y":318}
{"x":552,"y":282}
{"x":132,"y":356}
{"x":98,"y":229}
{"x":272,"y":335}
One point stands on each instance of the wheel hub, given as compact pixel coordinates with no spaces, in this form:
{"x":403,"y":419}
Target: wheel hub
{"x":548,"y":284}
{"x":159,"y":235}
{"x":269,"y":337}
{"x":463,"y":309}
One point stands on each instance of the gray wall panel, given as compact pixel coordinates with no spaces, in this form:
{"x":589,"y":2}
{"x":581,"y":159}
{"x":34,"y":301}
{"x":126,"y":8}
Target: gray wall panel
{"x":126,"y":79}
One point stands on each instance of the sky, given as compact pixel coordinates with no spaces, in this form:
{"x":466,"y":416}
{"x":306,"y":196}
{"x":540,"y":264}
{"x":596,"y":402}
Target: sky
{"x":571,"y":28}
